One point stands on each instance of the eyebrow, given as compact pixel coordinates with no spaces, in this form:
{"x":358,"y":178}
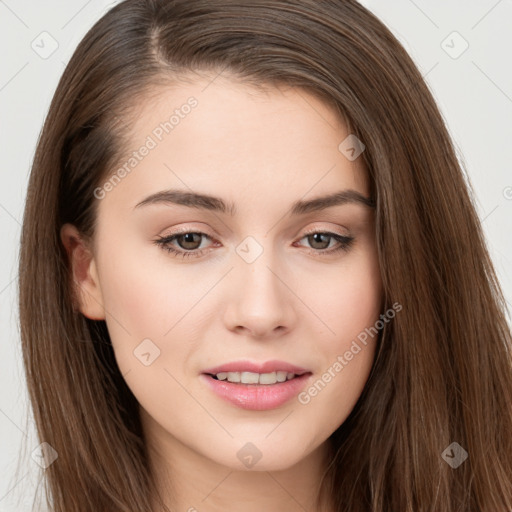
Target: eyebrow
{"x":208,"y":202}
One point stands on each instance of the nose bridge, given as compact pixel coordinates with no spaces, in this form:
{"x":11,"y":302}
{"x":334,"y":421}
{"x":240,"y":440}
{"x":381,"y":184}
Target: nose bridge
{"x":262,"y":301}
{"x":256,"y":266}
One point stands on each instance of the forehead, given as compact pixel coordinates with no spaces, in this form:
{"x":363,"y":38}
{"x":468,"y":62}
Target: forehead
{"x":220,"y":136}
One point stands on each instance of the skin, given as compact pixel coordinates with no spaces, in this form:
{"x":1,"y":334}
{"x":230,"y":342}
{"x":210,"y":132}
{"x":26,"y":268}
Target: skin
{"x":262,"y":150}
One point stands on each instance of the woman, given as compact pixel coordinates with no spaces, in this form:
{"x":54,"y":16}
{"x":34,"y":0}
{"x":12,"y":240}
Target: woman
{"x":252,"y":275}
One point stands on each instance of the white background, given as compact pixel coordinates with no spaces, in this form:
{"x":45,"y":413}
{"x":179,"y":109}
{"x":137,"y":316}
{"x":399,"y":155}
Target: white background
{"x":474,"y":92}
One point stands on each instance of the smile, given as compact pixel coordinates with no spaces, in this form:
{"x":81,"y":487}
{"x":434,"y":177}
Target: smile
{"x":256,"y":386}
{"x":255,"y":378}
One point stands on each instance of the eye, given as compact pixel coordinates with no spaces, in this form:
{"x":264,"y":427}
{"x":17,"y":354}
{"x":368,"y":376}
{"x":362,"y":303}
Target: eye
{"x":189,"y":243}
{"x":317,"y":241}
{"x":186,"y":240}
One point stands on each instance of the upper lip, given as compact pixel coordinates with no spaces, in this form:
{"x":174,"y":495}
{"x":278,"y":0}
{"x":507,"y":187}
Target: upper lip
{"x":249,"y":366}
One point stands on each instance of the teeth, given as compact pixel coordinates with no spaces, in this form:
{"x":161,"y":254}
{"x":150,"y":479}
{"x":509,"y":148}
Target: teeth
{"x":255,"y":378}
{"x":234,"y":376}
{"x":281,"y":376}
{"x":250,"y":378}
{"x":267,"y":378}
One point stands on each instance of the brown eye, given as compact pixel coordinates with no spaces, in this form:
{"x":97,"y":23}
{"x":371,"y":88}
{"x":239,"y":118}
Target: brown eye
{"x":316,"y":242}
{"x":187,"y":241}
{"x":186,"y":244}
{"x":319,"y":242}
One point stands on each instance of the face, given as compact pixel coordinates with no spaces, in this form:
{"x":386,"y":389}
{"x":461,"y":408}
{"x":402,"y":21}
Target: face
{"x":256,"y":282}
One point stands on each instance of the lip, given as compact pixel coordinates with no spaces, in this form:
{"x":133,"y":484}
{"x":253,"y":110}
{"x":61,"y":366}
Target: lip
{"x":249,"y":366}
{"x":257,"y":397}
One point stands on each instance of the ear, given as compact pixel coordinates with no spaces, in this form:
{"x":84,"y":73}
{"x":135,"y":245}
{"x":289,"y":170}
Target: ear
{"x":86,"y":285}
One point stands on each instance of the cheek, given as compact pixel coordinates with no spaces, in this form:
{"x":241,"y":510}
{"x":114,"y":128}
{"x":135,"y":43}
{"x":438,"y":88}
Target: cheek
{"x":357,"y":304}
{"x":145,"y":291}
{"x":153,"y":327}
{"x":348,"y":299}
{"x":147,"y":299}
{"x":352,"y":312}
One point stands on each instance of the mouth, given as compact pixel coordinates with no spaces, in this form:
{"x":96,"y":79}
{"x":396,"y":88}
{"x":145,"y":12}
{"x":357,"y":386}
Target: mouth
{"x":253,"y":378}
{"x":257,"y":391}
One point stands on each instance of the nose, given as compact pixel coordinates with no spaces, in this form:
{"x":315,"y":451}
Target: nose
{"x":262,"y":304}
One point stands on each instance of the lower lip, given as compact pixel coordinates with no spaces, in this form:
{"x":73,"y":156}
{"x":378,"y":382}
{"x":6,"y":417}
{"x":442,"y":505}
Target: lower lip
{"x":257,"y":397}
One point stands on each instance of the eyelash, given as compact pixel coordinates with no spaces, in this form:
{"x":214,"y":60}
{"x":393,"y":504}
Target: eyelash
{"x":165,"y":241}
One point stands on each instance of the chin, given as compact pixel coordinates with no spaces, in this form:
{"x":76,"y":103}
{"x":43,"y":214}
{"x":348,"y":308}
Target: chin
{"x":262,"y":455}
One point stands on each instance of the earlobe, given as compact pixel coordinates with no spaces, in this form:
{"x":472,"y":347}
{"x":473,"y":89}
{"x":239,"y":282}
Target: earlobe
{"x":85,"y":280}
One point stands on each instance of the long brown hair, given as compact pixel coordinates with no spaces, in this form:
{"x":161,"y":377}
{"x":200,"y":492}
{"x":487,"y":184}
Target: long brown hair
{"x":443,"y":370}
